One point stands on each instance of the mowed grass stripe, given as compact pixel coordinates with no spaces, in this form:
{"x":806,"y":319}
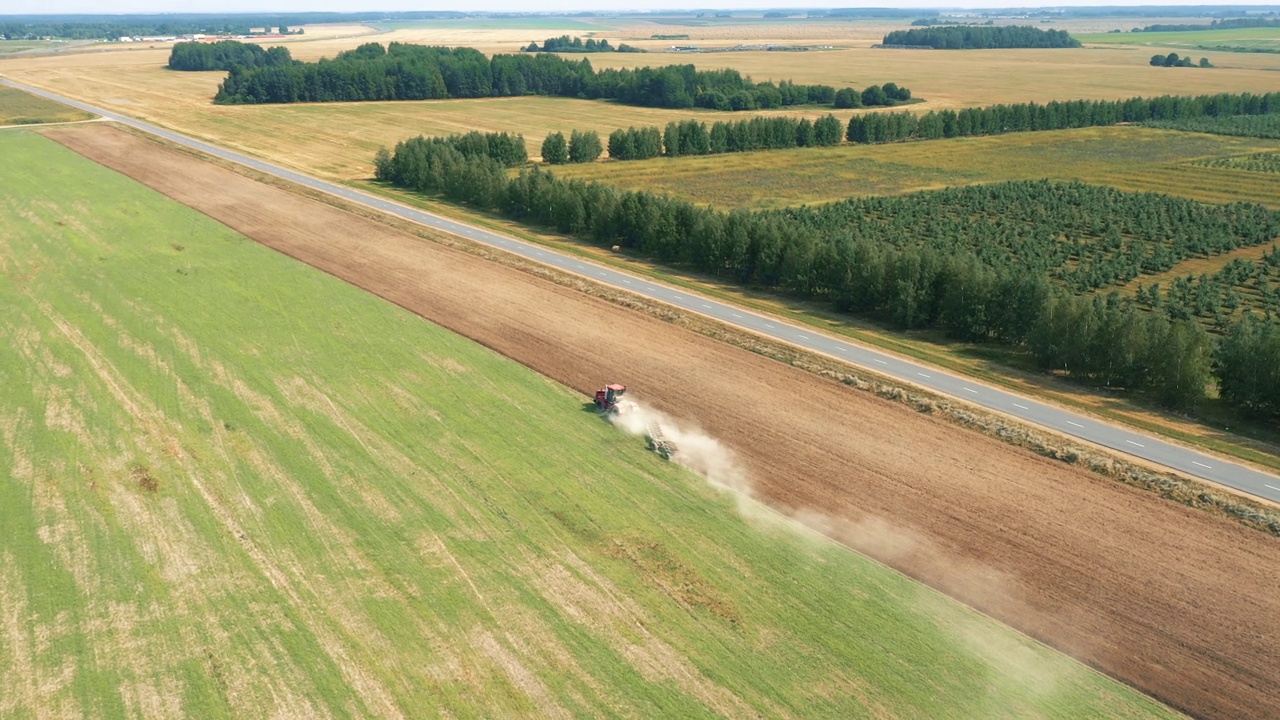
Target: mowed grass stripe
{"x":239,"y":487}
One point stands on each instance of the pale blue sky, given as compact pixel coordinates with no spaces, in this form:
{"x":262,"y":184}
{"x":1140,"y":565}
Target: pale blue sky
{"x":269,"y":6}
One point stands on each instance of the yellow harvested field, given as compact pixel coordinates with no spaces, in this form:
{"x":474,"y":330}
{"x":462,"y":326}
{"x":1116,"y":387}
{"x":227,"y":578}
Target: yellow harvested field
{"x":973,"y":78}
{"x":337,"y":140}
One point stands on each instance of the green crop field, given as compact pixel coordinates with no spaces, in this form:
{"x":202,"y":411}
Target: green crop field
{"x":237,"y":486}
{"x":1235,"y":39}
{"x":20,"y":108}
{"x":1128,"y":158}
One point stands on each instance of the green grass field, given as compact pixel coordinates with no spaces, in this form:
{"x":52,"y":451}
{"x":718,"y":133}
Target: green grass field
{"x":1236,"y":39}
{"x":20,"y":108}
{"x":236,"y":487}
{"x":12,"y":46}
{"x":1129,"y":158}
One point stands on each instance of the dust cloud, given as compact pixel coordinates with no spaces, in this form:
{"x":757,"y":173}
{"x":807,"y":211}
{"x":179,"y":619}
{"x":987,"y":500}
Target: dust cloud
{"x":972,"y":583}
{"x":694,"y":449}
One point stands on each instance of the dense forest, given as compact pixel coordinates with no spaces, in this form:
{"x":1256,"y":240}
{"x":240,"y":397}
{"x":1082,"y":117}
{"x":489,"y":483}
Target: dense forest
{"x":989,"y":263}
{"x":565,"y":44}
{"x":1177,"y":112}
{"x":403,"y":71}
{"x":969,"y":37}
{"x":226,"y":55}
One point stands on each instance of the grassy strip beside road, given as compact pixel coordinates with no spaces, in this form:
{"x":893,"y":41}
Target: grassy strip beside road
{"x":241,"y":486}
{"x":20,"y":108}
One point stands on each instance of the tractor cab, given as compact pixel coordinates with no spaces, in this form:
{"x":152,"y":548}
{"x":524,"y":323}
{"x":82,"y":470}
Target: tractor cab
{"x":608,"y":396}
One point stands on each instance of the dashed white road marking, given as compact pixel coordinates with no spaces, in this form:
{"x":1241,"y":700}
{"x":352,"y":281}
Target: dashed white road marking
{"x":1135,"y":443}
{"x":975,"y":392}
{"x":1210,"y":467}
{"x":880,"y":361}
{"x":1069,"y":422}
{"x":768,"y":326}
{"x":708,"y":307}
{"x":924,"y":376}
{"x":736,"y":315}
{"x":1273,"y":487}
{"x":1021,"y":407}
{"x":803,"y":337}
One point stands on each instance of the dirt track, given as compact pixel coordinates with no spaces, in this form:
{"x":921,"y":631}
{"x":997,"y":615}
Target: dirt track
{"x":1178,"y":603}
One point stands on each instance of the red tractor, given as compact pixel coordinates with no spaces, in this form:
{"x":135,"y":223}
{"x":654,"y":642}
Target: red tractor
{"x":608,"y":396}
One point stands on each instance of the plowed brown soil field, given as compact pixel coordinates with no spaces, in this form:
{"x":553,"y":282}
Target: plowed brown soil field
{"x":1176,"y":602}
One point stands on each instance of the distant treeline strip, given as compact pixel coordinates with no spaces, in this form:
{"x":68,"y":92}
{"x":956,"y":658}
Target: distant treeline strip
{"x":565,"y":44}
{"x":970,"y":37}
{"x":415,"y":72}
{"x":863,"y":256}
{"x":1225,"y":24}
{"x":226,"y":55}
{"x":1023,"y":117}
{"x":94,"y":27}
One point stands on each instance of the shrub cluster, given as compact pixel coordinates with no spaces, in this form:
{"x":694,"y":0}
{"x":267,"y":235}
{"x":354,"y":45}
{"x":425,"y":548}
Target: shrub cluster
{"x":887,"y":257}
{"x":1172,"y":60}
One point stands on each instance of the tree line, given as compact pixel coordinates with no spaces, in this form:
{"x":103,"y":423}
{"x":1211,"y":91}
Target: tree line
{"x":984,"y":37}
{"x":1223,"y":24}
{"x":225,"y":55}
{"x":1056,"y":115}
{"x":565,"y":44}
{"x":402,"y":71}
{"x":693,"y":137}
{"x":1172,"y":60}
{"x":898,"y":259}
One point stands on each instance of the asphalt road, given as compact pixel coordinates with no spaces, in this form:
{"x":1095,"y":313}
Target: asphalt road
{"x":1052,"y":417}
